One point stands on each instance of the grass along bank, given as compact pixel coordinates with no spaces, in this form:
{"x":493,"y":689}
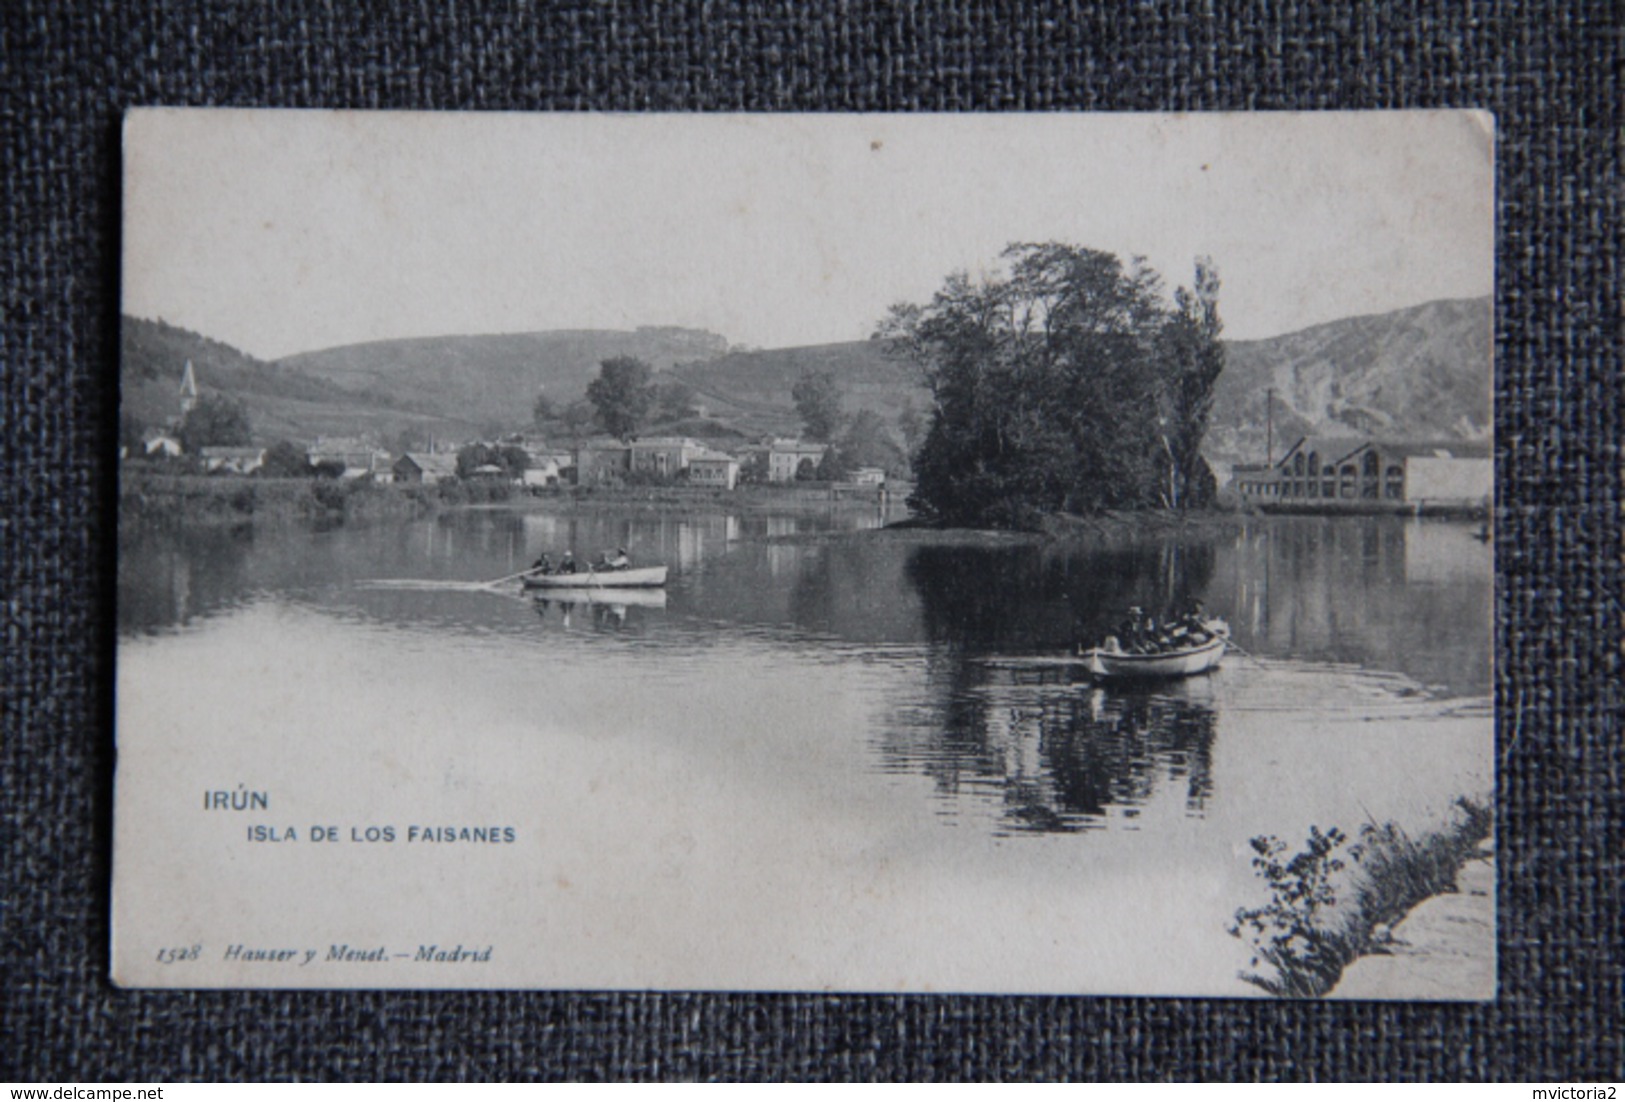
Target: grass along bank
{"x":152,"y":499}
{"x":1334,"y":902}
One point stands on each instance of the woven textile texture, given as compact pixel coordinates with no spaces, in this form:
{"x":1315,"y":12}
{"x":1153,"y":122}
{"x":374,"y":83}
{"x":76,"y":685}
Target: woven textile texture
{"x":1549,"y":73}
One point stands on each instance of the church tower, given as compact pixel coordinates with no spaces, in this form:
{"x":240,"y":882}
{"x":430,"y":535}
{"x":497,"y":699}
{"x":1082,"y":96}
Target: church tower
{"x":188,"y":390}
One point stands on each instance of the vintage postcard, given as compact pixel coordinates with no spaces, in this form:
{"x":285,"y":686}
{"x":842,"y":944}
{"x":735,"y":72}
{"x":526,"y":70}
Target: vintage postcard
{"x":978,"y":553}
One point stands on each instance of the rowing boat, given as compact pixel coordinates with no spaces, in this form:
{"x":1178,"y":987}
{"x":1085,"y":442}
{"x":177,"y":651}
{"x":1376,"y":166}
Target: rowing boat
{"x":1171,"y":663}
{"x":641,"y":577}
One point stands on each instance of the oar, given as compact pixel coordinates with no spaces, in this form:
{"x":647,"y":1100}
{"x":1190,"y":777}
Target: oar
{"x":509,"y":578}
{"x":1231,"y":644}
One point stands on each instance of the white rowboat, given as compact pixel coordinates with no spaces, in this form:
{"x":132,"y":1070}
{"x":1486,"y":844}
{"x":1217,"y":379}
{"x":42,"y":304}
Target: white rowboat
{"x":641,"y":577}
{"x":1174,"y":663}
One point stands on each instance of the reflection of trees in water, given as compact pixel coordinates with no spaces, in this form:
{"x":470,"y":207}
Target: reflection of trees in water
{"x":1027,"y":596}
{"x":167,"y":578}
{"x":854,"y":591}
{"x":1057,"y":756}
{"x":1116,"y":749}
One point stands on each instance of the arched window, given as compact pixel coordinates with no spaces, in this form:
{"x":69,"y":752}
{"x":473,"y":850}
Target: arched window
{"x":1297,"y":464}
{"x":1314,"y":465}
{"x":1349,"y":478}
{"x":1328,"y":484}
{"x":1394,"y":490}
{"x":1372,"y":470}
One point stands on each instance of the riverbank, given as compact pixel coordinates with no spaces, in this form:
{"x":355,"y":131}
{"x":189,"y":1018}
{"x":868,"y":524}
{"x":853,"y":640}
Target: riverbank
{"x":1341,"y":913}
{"x":1443,"y":949}
{"x":152,"y":500}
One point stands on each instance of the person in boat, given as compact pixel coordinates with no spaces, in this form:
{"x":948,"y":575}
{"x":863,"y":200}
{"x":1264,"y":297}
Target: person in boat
{"x":567,"y":564}
{"x":617,"y":561}
{"x":543,"y":565}
{"x":1192,"y":630}
{"x":1131,"y":633}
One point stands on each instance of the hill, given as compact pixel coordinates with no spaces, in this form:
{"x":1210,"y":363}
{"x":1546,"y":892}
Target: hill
{"x":752,"y":389}
{"x":493,"y":379}
{"x":1422,"y":372}
{"x":283,"y":402}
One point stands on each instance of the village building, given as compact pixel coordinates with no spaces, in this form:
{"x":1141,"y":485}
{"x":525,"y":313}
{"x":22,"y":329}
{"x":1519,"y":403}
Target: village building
{"x":358,"y":458}
{"x":228,"y":460}
{"x":869,"y":476}
{"x":602,"y":460}
{"x":546,"y":466}
{"x":714,"y":469}
{"x":664,"y":456}
{"x":160,"y":444}
{"x":1325,"y":474}
{"x":425,"y":468}
{"x":785,"y":459}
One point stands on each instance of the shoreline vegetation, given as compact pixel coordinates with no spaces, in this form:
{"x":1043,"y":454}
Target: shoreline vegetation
{"x":150,"y":496}
{"x":1335,"y":902}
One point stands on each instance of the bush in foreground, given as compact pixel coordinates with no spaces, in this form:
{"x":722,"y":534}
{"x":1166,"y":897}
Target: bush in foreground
{"x":1317,"y":921}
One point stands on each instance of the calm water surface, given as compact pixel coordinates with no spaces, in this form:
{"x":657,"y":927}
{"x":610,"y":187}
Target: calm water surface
{"x":864,"y":753}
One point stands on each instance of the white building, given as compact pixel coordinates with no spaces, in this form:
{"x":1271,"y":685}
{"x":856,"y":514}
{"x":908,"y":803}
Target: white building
{"x":785,"y":459}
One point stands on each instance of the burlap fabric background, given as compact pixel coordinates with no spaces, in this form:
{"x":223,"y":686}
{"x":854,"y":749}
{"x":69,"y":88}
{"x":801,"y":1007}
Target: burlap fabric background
{"x":1549,"y":73}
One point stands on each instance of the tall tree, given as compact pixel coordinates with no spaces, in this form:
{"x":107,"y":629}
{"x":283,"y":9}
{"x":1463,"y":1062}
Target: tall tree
{"x":622,"y":395}
{"x":542,"y":412}
{"x":1057,"y":386}
{"x":577,"y":418}
{"x":216,"y":421}
{"x":1192,"y":359}
{"x":818,"y":400}
{"x":911,"y":425}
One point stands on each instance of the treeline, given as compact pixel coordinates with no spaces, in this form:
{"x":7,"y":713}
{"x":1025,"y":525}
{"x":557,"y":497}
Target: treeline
{"x":1069,"y":383}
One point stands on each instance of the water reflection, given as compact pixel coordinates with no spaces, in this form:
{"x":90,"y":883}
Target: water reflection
{"x":173,"y":578}
{"x":963,"y":641}
{"x":617,"y":612}
{"x":1050,"y":755}
{"x":1030,"y":596}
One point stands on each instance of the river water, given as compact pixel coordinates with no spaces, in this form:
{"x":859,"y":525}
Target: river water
{"x":826,"y":757}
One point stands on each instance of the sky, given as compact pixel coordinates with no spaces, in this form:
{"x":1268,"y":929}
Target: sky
{"x":283,"y":231}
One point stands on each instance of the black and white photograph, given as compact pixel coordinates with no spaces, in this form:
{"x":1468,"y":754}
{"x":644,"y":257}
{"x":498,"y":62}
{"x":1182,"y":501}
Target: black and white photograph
{"x":1027,"y":554}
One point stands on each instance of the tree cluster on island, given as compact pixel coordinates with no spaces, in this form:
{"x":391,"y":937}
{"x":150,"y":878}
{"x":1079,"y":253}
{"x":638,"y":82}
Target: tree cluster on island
{"x":1069,"y":382}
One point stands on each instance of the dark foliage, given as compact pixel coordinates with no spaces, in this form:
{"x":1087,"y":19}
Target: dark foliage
{"x":818,"y":400}
{"x":622,"y":395}
{"x":1069,"y":384}
{"x":509,"y":459}
{"x":216,"y":421}
{"x":1308,"y":934}
{"x":285,"y":459}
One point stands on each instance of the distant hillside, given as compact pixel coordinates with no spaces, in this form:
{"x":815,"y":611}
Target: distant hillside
{"x":494,"y":379}
{"x":752,"y":389}
{"x":282,"y":402}
{"x":1422,"y":372}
